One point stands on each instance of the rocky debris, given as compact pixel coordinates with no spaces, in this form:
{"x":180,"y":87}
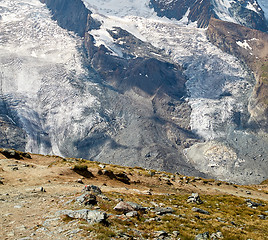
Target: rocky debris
{"x":162,"y":211}
{"x":87,"y":199}
{"x":202,"y":236}
{"x":216,"y":235}
{"x":194,"y":198}
{"x":199,"y":210}
{"x":132,"y":214}
{"x":91,"y":216}
{"x":123,"y":207}
{"x":93,"y":189}
{"x":252,"y":204}
{"x":156,"y":219}
{"x":10,"y":153}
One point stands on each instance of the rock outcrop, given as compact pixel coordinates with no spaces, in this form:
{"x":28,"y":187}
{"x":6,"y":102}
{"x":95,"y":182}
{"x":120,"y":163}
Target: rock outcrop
{"x":201,"y":11}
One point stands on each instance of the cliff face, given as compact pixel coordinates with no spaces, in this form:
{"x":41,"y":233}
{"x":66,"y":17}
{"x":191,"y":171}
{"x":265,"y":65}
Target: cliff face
{"x":251,"y":47}
{"x":201,"y":11}
{"x":71,"y":15}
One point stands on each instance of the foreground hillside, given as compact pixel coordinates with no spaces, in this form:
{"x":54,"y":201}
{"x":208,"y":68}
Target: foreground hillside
{"x":48,"y":197}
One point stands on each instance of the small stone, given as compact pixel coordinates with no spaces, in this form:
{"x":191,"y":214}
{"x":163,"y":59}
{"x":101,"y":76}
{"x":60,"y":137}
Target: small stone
{"x":91,"y":216}
{"x":80,"y":181}
{"x":162,"y":211}
{"x":132,"y":214}
{"x":161,"y":234}
{"x":217,"y":235}
{"x":176,"y":233}
{"x":199,"y":210}
{"x":42,"y":189}
{"x":262,"y":217}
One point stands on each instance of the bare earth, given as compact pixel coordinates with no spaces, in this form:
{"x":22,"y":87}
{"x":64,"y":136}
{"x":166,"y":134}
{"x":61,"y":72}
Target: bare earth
{"x":29,"y":213}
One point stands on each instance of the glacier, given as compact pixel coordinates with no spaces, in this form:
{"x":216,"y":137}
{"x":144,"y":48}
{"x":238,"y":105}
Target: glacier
{"x":43,"y":79}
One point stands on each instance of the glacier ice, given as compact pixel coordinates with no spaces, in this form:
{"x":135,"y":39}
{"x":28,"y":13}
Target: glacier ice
{"x":43,"y":79}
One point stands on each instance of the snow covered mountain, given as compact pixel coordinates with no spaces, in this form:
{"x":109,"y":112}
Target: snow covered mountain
{"x":137,"y":83}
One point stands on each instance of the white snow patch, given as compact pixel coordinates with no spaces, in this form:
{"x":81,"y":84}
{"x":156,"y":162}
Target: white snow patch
{"x":120,"y":8}
{"x":244,"y":44}
{"x":251,"y":7}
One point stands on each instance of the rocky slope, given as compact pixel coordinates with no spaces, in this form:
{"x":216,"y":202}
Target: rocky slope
{"x":49,"y":197}
{"x":250,"y":46}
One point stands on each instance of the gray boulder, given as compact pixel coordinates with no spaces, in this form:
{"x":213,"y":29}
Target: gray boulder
{"x":162,"y":211}
{"x":136,"y":206}
{"x":91,"y":216}
{"x":123,"y":207}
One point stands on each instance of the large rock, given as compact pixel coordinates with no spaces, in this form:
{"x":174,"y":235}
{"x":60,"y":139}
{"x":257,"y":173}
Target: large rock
{"x":123,"y":207}
{"x":91,"y":216}
{"x":163,"y":211}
